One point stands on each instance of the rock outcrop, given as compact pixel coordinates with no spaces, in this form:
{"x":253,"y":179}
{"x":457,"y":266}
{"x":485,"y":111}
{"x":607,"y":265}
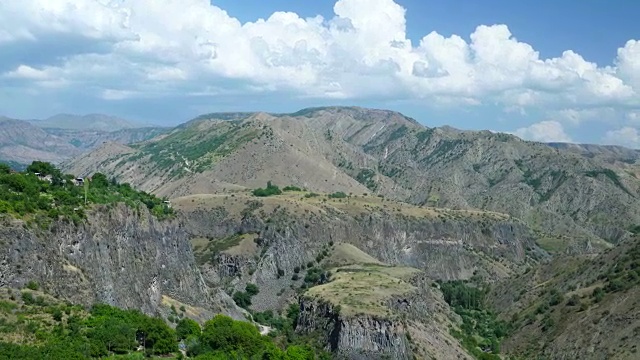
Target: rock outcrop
{"x":363,"y":337}
{"x":119,"y":256}
{"x":416,"y":326}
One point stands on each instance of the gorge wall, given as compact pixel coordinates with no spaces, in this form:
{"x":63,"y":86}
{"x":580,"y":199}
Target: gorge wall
{"x":120,"y":256}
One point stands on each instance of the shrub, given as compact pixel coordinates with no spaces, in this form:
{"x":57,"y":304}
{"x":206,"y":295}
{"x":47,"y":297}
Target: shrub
{"x":556,"y":298}
{"x":28,"y":298}
{"x":291,"y":188}
{"x":338,"y":195}
{"x":57,"y":315}
{"x":573,"y":300}
{"x":252,"y":289}
{"x":32,"y":285}
{"x":242,"y":299}
{"x":270,"y":190}
{"x":598,"y":294}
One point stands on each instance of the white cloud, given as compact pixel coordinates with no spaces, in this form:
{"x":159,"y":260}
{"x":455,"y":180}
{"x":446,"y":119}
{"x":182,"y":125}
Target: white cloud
{"x":633,"y":117}
{"x":626,"y":136}
{"x":123,"y":48}
{"x":576,"y":116}
{"x":27,"y":72}
{"x":544,"y":131}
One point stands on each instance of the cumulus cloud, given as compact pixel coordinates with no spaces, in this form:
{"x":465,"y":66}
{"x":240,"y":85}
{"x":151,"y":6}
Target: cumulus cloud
{"x":626,"y":136}
{"x":544,"y":131}
{"x":128,"y":48}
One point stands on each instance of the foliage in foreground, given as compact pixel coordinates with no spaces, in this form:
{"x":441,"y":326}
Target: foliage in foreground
{"x":128,"y":334}
{"x":26,"y":196}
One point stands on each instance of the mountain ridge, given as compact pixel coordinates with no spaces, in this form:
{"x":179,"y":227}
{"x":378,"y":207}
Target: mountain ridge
{"x":23,"y":141}
{"x":357,"y":150}
{"x":99,"y":122}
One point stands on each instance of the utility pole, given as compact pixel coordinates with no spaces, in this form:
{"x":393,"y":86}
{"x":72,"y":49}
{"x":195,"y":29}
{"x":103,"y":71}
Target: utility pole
{"x":86,"y":190}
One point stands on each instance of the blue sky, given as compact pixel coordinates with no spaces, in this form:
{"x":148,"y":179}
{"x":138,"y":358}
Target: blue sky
{"x":544,"y":70}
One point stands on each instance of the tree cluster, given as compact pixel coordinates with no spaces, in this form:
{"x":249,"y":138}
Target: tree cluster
{"x":26,"y":195}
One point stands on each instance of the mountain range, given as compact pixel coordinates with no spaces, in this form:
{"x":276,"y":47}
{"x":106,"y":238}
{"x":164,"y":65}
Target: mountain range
{"x":96,"y":122}
{"x":63,"y":136}
{"x":359,"y":232}
{"x":560,"y":189}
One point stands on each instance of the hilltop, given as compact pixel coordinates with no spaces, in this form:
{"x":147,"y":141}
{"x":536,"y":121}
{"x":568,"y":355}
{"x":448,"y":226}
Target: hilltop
{"x":557,"y":189}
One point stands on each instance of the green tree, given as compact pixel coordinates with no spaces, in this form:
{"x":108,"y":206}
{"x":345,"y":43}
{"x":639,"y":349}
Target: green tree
{"x":226,"y":335}
{"x":187,"y":327}
{"x":99,"y":180}
{"x":4,"y":169}
{"x":157,"y":336}
{"x":252,"y":289}
{"x":242,"y":299}
{"x":112,"y":335}
{"x":43,"y":168}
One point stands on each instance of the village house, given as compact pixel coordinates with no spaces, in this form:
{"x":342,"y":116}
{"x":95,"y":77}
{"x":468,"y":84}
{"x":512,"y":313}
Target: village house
{"x":43,"y":177}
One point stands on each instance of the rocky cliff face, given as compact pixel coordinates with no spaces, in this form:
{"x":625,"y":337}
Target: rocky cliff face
{"x":416,"y":326}
{"x":362,"y":337}
{"x":445,"y":246}
{"x":119,"y":256}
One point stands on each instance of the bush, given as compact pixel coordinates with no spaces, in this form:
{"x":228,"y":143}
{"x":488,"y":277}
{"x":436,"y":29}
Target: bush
{"x":28,"y":298}
{"x":32,"y":285}
{"x":574,"y":300}
{"x":598,"y":294}
{"x":291,"y":188}
{"x":242,"y":299}
{"x":556,"y":298}
{"x":270,"y":190}
{"x":252,"y":289}
{"x":338,"y":195}
{"x":57,"y":315}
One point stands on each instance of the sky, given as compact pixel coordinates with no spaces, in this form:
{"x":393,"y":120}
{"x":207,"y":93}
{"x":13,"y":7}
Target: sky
{"x":544,"y":70}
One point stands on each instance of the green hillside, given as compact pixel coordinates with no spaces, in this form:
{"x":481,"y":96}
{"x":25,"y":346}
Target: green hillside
{"x":34,"y":325}
{"x":52,"y":195}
